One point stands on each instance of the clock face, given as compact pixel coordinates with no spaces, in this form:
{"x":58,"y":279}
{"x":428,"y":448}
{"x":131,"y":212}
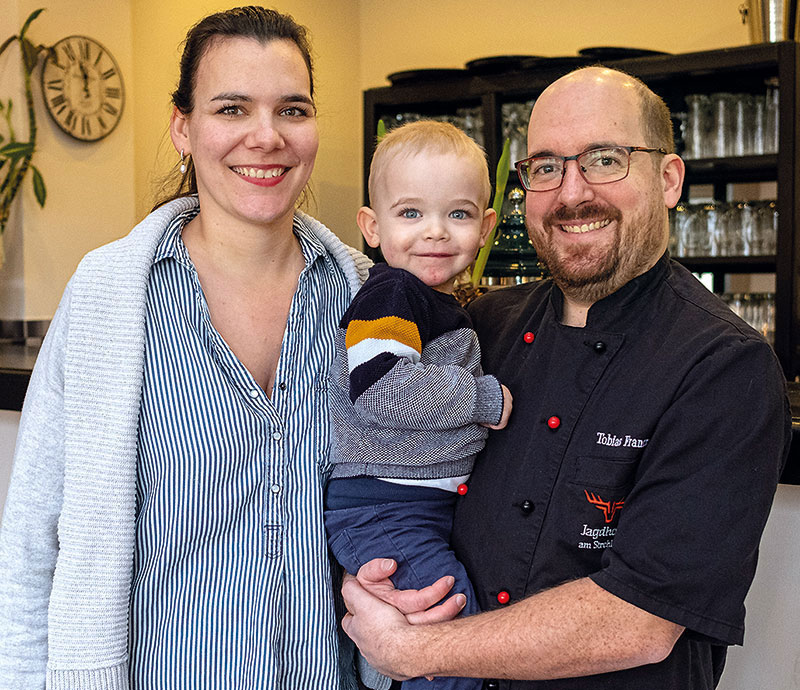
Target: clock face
{"x":82,"y":88}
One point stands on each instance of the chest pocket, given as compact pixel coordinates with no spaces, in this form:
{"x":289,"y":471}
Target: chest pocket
{"x":604,"y":473}
{"x":598,"y":490}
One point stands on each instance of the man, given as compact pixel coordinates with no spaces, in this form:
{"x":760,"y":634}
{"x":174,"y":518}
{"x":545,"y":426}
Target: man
{"x":612,"y":529}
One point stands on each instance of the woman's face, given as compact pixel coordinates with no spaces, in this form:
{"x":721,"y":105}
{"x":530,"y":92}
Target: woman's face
{"x":252,"y":133}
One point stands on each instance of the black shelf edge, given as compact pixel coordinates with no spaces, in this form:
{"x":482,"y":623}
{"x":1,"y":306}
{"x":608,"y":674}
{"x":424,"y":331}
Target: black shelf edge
{"x":735,"y":169}
{"x":729,"y":264}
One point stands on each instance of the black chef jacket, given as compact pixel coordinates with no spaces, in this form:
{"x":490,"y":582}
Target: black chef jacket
{"x":643,"y":451}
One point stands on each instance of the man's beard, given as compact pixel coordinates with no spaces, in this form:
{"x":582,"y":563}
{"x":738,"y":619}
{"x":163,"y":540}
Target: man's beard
{"x":589,"y":273}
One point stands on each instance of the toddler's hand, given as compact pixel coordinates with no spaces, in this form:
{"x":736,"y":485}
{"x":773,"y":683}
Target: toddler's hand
{"x":507,"y":405}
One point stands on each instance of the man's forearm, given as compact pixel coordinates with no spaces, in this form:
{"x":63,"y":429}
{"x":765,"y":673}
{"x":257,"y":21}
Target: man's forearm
{"x":575,"y":629}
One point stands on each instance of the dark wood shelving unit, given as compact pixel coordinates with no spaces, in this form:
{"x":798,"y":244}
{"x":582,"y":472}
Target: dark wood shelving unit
{"x":745,"y":69}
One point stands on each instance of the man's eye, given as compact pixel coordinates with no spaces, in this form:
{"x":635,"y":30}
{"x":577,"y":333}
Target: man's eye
{"x":544,"y":169}
{"x":604,"y":159}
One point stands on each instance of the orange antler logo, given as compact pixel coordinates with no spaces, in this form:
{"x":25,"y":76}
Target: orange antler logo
{"x":609,"y":509}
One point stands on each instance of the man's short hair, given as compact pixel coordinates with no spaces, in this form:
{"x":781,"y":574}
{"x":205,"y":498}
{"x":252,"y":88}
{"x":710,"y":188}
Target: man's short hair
{"x":655,"y":117}
{"x":425,"y":136}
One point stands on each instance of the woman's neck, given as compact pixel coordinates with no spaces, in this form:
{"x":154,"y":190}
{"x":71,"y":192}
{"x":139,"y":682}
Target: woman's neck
{"x":244,"y":251}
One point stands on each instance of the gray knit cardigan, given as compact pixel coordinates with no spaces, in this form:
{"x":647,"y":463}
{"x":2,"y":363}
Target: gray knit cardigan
{"x":67,"y":538}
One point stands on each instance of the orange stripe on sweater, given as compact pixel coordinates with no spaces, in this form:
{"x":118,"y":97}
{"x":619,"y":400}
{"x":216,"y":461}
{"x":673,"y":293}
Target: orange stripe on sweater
{"x":385,"y":328}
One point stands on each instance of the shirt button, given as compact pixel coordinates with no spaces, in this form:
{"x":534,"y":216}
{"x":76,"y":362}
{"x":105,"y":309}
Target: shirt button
{"x":462,"y":489}
{"x":282,"y":386}
{"x":554,"y":422}
{"x":528,"y":337}
{"x":492,"y":685}
{"x":503,"y":597}
{"x":527,"y":507}
{"x":277,"y":435}
{"x":253,"y":393}
{"x":599,"y":347}
{"x":275,"y":488}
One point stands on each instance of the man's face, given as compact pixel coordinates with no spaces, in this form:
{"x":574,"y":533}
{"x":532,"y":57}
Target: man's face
{"x":595,"y":238}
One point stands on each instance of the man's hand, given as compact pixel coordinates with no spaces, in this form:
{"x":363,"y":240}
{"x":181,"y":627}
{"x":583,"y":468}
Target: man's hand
{"x":417,"y":605}
{"x":379,"y":630}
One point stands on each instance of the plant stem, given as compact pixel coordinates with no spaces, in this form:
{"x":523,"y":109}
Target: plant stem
{"x":19,"y":172}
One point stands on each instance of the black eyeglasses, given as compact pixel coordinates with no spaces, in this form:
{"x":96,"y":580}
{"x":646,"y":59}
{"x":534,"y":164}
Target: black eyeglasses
{"x":596,"y":166}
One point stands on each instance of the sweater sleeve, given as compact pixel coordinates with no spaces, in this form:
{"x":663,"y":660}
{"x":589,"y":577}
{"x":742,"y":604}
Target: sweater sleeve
{"x":386,"y":330}
{"x":28,"y":538}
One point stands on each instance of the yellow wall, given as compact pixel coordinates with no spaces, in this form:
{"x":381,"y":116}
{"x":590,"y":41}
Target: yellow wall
{"x":90,"y":198}
{"x":412,"y":34}
{"x":159,"y":28}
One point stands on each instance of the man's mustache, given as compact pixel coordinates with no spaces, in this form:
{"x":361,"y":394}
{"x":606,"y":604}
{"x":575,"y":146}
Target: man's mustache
{"x":583,"y":212}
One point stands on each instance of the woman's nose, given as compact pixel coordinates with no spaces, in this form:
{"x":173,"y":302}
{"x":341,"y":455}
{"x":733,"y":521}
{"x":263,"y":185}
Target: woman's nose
{"x":265,"y":134}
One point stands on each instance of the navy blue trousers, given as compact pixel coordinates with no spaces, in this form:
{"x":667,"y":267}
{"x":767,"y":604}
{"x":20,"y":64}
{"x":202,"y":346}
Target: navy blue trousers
{"x":416,"y":534}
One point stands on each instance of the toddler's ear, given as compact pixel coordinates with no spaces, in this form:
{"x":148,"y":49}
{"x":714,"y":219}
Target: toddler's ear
{"x":368,"y":224}
{"x":489,"y":219}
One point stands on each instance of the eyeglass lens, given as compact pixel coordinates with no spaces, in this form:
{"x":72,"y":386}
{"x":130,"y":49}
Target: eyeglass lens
{"x":597,"y":166}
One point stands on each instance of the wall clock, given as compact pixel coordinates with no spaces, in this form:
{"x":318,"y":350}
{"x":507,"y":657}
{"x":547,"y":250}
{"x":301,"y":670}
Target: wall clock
{"x":82,"y":87}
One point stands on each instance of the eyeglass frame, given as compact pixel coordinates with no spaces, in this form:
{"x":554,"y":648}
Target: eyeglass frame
{"x":628,"y":149}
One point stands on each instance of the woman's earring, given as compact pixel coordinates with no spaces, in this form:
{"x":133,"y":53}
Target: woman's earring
{"x":183,"y":163}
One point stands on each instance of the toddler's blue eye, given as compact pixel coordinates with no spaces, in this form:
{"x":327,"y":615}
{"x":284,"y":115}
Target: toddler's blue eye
{"x":410,"y":213}
{"x":460,"y":214}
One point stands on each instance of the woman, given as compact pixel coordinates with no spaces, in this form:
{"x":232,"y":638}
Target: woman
{"x":163,"y":528}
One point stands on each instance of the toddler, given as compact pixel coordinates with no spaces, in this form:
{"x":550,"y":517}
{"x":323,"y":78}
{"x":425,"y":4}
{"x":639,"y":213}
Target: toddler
{"x":409,"y":402}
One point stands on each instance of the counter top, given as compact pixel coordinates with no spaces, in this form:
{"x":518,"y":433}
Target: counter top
{"x":16,"y":363}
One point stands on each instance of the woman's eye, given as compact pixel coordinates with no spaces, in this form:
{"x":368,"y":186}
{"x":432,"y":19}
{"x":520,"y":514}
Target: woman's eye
{"x":296,"y":111}
{"x":410,"y":213}
{"x":230,"y":110}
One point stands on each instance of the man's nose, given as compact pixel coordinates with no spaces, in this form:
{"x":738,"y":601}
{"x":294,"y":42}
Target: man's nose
{"x":574,"y":188}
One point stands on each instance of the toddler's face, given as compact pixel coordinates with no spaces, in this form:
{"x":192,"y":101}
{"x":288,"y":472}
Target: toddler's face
{"x":429,"y":216}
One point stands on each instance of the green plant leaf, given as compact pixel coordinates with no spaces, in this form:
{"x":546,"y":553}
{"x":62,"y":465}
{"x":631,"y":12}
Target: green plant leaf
{"x":17,"y":149}
{"x":7,"y":43}
{"x":28,"y":21}
{"x":30,"y":55}
{"x":381,"y":130}
{"x":501,"y":180}
{"x":38,"y":186}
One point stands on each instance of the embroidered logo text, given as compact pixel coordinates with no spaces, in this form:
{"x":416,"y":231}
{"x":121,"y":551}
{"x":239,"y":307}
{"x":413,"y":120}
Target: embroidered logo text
{"x":604,"y":439}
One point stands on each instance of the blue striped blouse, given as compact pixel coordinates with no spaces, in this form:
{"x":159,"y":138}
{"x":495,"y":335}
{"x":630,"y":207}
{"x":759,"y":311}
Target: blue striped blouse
{"x":232,"y":584}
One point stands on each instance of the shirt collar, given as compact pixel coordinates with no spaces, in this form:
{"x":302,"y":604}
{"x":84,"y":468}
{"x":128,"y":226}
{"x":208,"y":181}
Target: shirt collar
{"x":310,"y":244}
{"x":610,"y":309}
{"x":171,"y":246}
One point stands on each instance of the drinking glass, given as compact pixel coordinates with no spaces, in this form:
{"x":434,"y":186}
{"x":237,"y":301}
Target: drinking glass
{"x":723,"y":122}
{"x":698,"y":125}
